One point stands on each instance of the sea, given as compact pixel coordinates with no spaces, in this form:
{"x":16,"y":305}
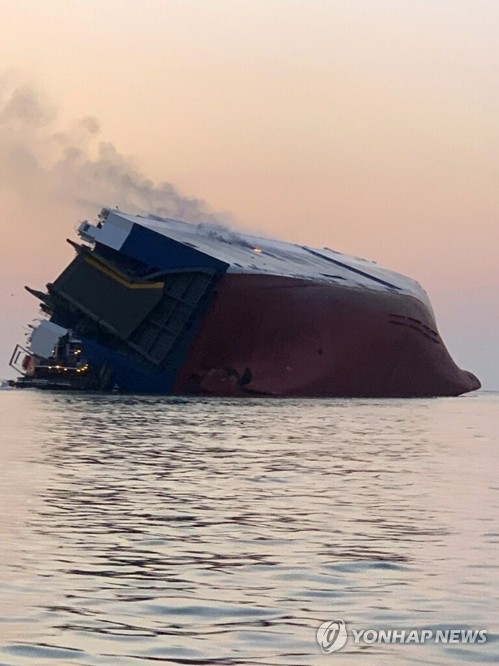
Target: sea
{"x":160,"y":530}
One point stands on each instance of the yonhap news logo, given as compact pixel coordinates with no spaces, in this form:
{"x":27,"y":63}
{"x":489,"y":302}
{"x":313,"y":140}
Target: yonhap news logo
{"x":333,"y":635}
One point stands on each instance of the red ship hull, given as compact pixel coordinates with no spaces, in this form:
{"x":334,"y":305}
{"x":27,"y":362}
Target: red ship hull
{"x":281,"y":336}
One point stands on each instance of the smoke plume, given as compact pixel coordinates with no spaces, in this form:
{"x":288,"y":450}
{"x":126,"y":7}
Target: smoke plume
{"x":76,"y":166}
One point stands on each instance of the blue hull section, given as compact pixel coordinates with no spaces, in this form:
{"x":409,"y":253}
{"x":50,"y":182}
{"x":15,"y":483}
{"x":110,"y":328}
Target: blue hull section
{"x":167,"y":254}
{"x":135,"y":331}
{"x":124,"y":374}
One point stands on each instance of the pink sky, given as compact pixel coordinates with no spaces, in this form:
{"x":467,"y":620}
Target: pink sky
{"x":368,"y":127}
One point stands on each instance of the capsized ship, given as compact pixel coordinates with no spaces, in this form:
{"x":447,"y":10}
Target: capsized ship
{"x":162,"y":306}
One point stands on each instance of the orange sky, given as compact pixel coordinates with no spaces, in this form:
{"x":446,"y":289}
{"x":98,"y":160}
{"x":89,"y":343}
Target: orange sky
{"x":369,"y":126}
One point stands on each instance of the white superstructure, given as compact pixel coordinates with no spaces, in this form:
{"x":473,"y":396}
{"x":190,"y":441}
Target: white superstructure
{"x":247,"y":253}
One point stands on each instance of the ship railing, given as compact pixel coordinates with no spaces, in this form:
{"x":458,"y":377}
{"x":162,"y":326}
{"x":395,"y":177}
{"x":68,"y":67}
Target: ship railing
{"x":20,"y":358}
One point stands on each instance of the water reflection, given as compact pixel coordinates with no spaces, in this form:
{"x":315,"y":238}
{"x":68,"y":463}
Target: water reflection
{"x":217,"y":531}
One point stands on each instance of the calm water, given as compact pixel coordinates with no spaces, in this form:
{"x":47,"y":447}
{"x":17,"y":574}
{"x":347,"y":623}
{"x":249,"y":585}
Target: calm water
{"x":145,"y":530}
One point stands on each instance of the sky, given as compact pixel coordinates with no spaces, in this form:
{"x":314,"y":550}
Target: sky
{"x":368,"y":126}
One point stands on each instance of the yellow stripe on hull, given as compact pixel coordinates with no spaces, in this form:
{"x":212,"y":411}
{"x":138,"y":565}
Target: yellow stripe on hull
{"x":119,"y":278}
